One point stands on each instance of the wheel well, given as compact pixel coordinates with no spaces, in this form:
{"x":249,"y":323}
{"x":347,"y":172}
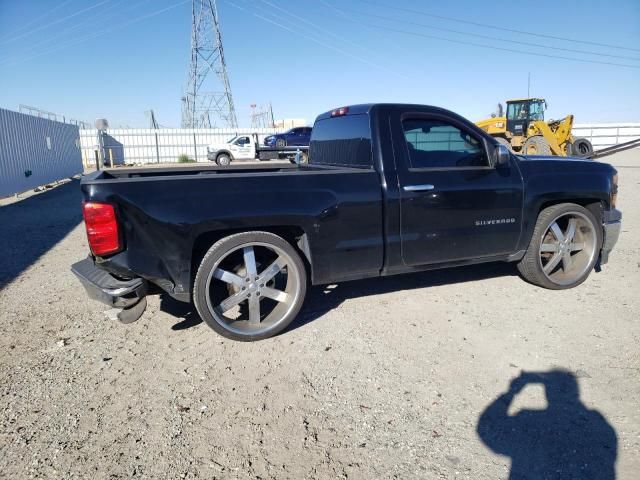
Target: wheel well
{"x":224,"y":152}
{"x":295,"y":235}
{"x":596,"y":207}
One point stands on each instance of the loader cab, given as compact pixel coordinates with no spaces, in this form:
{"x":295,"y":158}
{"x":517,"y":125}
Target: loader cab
{"x":520,"y":113}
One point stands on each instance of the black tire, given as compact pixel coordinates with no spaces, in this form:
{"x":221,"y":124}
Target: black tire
{"x":223,"y":160}
{"x":531,"y":266}
{"x":221,"y":251}
{"x":581,"y":147}
{"x":281,"y":143}
{"x":536,"y":145}
{"x":504,"y":142}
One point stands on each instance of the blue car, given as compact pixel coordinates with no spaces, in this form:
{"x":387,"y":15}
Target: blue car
{"x":296,"y":137}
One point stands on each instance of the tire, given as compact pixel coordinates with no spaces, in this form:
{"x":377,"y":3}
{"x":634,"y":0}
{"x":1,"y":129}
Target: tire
{"x":226,"y":297}
{"x":545,"y":263}
{"x":304,"y":159}
{"x":536,"y":145}
{"x":581,"y":147}
{"x":504,"y":142}
{"x":223,"y":160}
{"x":281,"y":143}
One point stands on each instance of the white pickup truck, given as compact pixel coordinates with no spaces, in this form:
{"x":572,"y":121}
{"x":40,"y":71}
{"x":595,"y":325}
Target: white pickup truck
{"x":247,"y":147}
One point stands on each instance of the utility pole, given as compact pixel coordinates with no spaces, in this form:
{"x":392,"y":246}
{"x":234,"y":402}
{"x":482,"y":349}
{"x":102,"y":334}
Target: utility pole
{"x":207,"y":99}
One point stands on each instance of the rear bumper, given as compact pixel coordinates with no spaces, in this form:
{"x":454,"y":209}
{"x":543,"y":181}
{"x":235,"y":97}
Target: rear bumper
{"x":611,"y":229}
{"x":104,"y":287}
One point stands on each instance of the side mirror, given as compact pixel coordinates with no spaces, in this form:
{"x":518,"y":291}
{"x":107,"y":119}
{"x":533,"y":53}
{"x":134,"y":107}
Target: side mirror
{"x":501,"y":155}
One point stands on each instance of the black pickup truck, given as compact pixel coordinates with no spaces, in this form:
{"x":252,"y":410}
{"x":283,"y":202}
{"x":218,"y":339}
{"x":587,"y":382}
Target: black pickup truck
{"x":388,"y":189}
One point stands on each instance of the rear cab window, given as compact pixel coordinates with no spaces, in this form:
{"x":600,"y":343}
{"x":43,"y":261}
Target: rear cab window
{"x":342,"y":141}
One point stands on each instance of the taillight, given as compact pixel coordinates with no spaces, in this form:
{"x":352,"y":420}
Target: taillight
{"x":102,"y":227}
{"x":338,"y":112}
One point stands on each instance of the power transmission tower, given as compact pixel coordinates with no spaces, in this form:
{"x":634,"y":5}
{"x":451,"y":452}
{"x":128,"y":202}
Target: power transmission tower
{"x":207,"y":99}
{"x":262,"y":118}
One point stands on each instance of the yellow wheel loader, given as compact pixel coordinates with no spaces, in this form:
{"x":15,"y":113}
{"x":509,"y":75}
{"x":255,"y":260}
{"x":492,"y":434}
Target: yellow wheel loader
{"x":525,"y":131}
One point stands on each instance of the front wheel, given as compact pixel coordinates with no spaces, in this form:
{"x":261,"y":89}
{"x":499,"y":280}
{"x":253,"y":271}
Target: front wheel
{"x":281,"y":143}
{"x":250,"y":286}
{"x":564,"y":247}
{"x":504,"y":142}
{"x":223,"y":160}
{"x":536,"y":145}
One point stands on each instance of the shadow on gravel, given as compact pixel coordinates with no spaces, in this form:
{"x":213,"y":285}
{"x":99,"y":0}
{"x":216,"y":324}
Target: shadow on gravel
{"x":185,"y":311}
{"x":322,"y":299}
{"x":32,"y":226}
{"x":564,"y":441}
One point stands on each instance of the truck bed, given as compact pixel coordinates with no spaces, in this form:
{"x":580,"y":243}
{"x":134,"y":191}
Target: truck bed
{"x":195,"y":169}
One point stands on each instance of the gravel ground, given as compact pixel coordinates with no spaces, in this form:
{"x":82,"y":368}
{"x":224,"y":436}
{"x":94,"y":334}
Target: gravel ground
{"x":383,"y":378}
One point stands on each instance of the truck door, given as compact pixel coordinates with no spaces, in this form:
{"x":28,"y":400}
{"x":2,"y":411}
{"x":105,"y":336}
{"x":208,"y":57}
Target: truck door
{"x":243,"y":148}
{"x":455,"y":204}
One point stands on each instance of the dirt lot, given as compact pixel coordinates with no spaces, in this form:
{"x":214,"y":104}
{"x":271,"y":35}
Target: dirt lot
{"x":384,"y":378}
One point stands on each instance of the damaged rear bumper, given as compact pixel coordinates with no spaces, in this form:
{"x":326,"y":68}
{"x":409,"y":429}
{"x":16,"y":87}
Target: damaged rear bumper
{"x":127,"y":298}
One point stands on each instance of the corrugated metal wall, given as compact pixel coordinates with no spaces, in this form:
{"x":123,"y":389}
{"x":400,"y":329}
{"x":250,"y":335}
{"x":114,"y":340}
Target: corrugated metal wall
{"x":145,"y":145}
{"x":35,"y":151}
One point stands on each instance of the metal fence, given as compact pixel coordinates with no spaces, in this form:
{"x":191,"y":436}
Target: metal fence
{"x":145,"y":145}
{"x":35,"y":151}
{"x":607,"y":134}
{"x":165,"y":145}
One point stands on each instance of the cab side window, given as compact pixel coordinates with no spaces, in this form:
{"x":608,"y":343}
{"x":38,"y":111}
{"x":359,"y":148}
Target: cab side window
{"x":241,"y":141}
{"x":438,"y":144}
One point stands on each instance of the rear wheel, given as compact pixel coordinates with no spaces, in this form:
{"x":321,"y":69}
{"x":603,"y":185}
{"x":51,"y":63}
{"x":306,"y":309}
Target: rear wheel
{"x":564,"y":247}
{"x":581,"y":147}
{"x":536,"y":145}
{"x":223,"y":160}
{"x":250,"y":286}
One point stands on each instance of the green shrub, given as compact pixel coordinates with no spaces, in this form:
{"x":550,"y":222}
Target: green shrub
{"x":184,"y":158}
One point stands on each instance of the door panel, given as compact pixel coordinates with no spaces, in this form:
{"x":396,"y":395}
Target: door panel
{"x":454,"y":205}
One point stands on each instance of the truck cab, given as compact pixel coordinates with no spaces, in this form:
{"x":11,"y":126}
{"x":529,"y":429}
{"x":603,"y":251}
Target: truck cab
{"x":521,"y":112}
{"x":239,"y":147}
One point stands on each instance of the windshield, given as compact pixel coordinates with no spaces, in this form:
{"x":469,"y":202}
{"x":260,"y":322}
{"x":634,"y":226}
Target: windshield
{"x":232,"y":139}
{"x":536,"y":111}
{"x":525,"y":111}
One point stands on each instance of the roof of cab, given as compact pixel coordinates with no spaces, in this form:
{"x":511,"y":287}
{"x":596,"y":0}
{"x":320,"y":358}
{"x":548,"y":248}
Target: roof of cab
{"x":366,"y":108}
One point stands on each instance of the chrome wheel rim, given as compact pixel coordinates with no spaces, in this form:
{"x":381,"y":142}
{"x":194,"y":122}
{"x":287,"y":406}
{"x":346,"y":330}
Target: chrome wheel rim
{"x":567,"y":248}
{"x":252,"y":288}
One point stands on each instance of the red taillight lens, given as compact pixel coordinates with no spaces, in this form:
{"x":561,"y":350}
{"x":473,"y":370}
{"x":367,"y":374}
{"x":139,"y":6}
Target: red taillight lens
{"x":102,"y":227}
{"x":338,"y":112}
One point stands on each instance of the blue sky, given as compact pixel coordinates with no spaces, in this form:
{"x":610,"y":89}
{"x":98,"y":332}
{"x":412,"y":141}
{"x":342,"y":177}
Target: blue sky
{"x":118,"y":58}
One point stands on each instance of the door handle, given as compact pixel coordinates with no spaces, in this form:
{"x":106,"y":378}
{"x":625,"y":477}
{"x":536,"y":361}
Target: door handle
{"x":418,"y":188}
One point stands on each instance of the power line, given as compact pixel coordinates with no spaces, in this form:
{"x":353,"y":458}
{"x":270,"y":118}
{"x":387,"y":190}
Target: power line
{"x":486,"y":37}
{"x":104,"y":19}
{"x":485,"y":25}
{"x":313,"y":25}
{"x":315,"y":40}
{"x":37,"y":19}
{"x":55,"y":22}
{"x":100,"y":33}
{"x":491,"y":47}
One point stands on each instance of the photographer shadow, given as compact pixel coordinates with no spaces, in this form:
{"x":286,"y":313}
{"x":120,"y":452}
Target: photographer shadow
{"x":564,"y":441}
